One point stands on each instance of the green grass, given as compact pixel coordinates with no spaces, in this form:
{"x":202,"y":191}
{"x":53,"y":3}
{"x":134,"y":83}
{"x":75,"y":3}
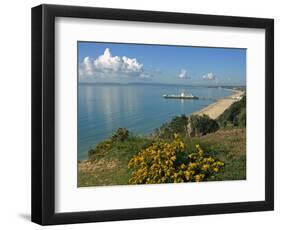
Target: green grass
{"x":110,"y":168}
{"x":104,"y":175}
{"x":228,"y":145}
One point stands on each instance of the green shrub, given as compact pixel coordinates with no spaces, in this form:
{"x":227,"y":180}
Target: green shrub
{"x":121,"y":134}
{"x":242,"y":118}
{"x":235,"y":115}
{"x":201,"y":125}
{"x":99,"y":150}
{"x":177,"y":125}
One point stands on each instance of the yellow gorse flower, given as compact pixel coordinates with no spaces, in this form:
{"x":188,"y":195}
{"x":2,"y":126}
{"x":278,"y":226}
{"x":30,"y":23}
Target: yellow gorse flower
{"x":159,"y":163}
{"x":205,"y":167}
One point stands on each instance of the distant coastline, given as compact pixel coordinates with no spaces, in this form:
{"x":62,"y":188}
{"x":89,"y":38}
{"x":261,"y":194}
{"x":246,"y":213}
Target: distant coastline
{"x":227,"y":87}
{"x":215,"y":109}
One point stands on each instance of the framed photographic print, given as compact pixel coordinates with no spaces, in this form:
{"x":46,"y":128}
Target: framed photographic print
{"x":142,"y":114}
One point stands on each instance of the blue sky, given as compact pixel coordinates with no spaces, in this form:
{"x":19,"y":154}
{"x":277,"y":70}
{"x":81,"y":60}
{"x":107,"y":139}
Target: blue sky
{"x":115,"y":62}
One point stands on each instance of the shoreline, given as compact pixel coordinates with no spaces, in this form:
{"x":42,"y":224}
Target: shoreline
{"x":215,"y":109}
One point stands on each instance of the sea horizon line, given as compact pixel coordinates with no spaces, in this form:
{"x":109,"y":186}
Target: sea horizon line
{"x":160,"y":83}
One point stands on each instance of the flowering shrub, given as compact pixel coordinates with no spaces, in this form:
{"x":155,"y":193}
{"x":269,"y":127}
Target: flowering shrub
{"x":164,"y":162}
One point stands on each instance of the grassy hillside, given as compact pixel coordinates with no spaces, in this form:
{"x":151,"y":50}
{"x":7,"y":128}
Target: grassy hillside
{"x":111,"y":168}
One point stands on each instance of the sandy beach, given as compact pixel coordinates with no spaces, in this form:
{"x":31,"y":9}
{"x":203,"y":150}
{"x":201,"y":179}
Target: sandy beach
{"x":215,"y":109}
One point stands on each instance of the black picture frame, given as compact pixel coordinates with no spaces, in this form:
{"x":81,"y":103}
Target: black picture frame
{"x":43,"y":114}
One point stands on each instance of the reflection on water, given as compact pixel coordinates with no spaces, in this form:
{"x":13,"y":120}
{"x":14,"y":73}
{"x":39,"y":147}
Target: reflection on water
{"x":140,"y":108}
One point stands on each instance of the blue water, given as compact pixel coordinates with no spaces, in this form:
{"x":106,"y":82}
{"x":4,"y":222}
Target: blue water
{"x":140,"y":108}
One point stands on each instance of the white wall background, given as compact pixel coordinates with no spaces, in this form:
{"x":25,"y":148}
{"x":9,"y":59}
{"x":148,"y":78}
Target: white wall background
{"x":15,"y":114}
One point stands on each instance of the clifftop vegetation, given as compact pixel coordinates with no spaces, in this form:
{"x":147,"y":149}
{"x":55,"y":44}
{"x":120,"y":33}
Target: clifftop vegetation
{"x":186,"y":149}
{"x":235,"y":115}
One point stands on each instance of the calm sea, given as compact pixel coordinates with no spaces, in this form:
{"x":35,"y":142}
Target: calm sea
{"x":140,"y":108}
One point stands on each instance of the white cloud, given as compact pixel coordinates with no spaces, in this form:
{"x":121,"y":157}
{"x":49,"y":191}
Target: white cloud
{"x":106,"y":63}
{"x":145,"y":76}
{"x":182,"y":74}
{"x":131,"y":65}
{"x":88,"y":68}
{"x":209,"y":76}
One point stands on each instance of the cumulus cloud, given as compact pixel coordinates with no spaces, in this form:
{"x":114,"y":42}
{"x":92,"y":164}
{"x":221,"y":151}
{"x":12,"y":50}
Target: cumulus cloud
{"x":209,"y":76}
{"x":131,"y":65}
{"x":107,"y":63}
{"x":88,"y":66}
